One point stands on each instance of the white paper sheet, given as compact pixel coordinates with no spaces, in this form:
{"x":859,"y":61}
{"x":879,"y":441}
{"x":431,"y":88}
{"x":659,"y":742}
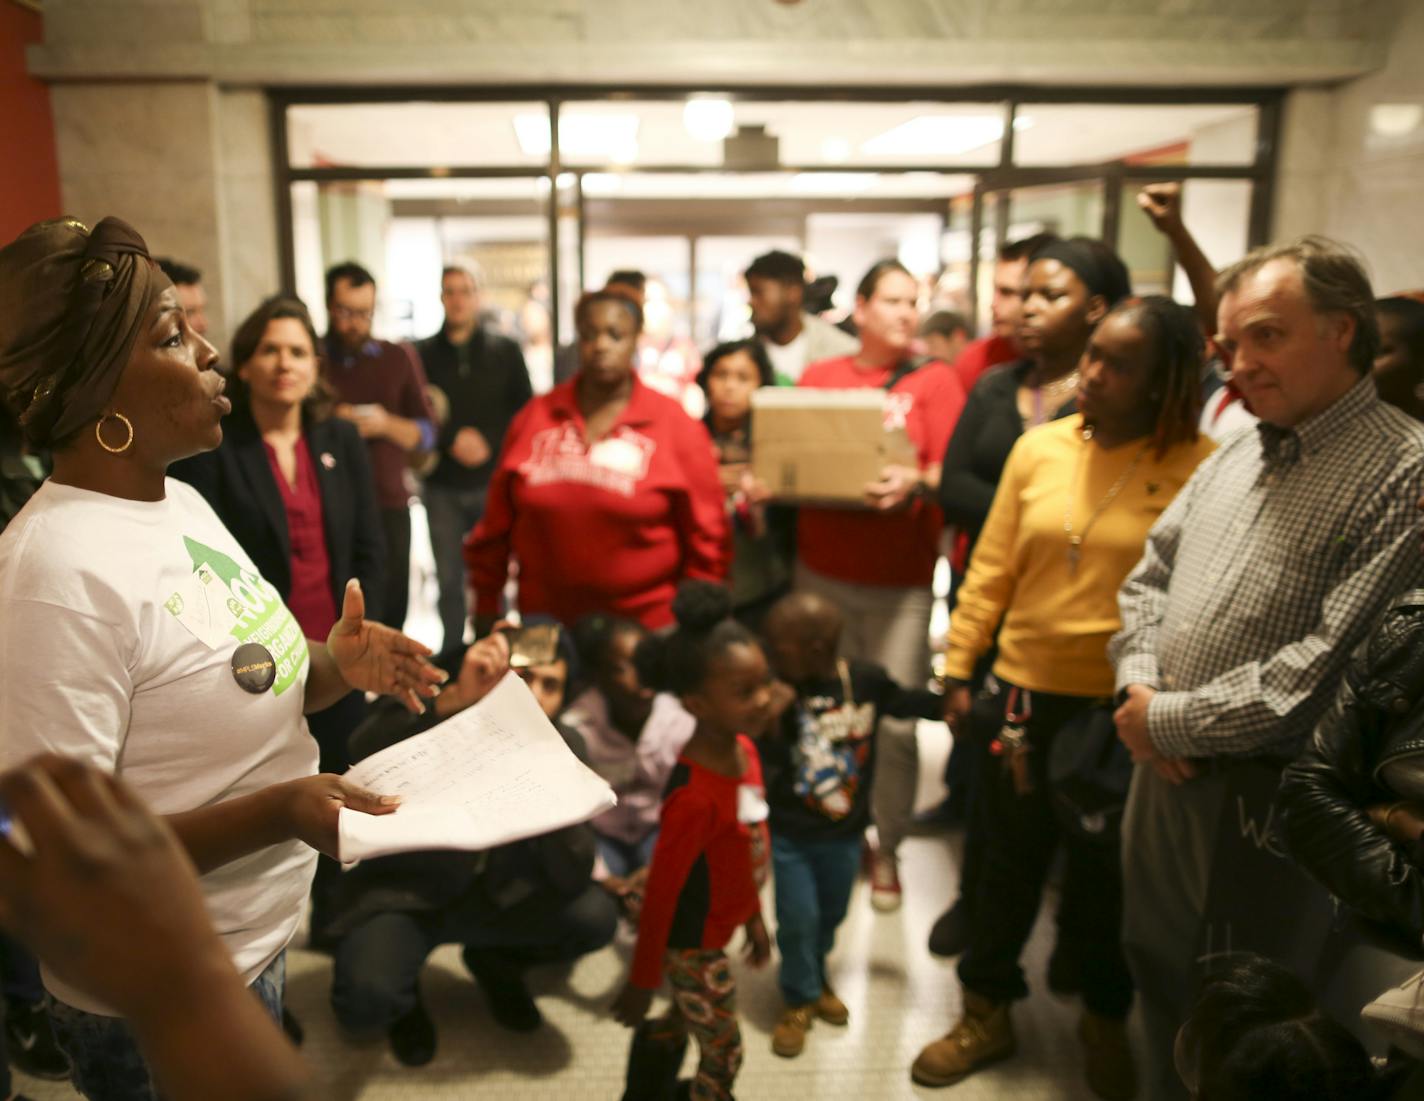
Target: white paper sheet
{"x":495,"y":773}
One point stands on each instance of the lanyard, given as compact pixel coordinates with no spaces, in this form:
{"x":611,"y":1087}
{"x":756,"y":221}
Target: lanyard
{"x":1011,"y":746}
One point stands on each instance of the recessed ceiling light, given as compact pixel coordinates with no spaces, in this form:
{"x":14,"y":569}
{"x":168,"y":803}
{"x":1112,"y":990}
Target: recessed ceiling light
{"x":532,"y":133}
{"x":581,"y":134}
{"x":944,"y":135}
{"x":832,"y":183}
{"x":1394,"y":120}
{"x":602,"y":183}
{"x":708,"y":118}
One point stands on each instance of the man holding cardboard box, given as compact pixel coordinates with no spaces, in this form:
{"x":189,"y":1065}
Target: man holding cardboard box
{"x":875,"y":558}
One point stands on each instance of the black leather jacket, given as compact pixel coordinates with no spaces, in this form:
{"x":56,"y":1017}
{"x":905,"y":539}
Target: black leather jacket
{"x":1377,"y":718}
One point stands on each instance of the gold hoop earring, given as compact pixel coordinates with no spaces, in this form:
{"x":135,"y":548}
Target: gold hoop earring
{"x":99,"y":434}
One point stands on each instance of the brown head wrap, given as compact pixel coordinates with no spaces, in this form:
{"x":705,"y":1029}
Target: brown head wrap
{"x":71,"y":304}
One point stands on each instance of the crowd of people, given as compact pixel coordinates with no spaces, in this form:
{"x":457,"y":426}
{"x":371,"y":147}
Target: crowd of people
{"x":1187,"y":560}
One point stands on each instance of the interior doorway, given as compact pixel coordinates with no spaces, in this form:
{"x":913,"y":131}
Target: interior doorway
{"x":549,"y":190}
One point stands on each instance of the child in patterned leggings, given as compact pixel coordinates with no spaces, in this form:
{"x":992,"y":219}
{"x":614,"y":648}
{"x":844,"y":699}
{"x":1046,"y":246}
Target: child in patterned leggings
{"x":711,"y":852}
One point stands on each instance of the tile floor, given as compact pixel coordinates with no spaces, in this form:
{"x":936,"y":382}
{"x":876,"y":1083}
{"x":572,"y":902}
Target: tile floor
{"x":899,"y":995}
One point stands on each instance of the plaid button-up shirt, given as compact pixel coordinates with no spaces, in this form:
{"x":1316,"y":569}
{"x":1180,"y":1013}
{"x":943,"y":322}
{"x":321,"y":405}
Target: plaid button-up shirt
{"x":1264,"y":574}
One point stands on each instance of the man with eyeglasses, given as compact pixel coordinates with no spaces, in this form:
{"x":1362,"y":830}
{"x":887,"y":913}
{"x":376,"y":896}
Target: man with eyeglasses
{"x":380,"y":388}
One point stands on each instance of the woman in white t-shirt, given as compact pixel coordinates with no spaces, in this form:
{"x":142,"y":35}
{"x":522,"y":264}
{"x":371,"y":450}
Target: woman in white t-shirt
{"x":136,"y":634}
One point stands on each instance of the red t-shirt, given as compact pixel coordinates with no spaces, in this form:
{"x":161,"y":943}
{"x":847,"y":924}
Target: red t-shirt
{"x":609,"y":527}
{"x":979,"y":355}
{"x":311,"y":600}
{"x":702,"y":883}
{"x":894,"y":549}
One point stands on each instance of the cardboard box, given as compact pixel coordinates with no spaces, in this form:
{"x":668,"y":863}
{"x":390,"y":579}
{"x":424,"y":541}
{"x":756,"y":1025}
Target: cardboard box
{"x":823,"y":446}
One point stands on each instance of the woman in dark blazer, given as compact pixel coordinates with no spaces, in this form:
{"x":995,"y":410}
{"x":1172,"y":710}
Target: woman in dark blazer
{"x":277,"y":437}
{"x":295,"y":488}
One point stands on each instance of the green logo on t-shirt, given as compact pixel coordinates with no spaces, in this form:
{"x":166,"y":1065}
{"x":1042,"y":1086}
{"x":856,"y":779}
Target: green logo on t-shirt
{"x":257,"y":612}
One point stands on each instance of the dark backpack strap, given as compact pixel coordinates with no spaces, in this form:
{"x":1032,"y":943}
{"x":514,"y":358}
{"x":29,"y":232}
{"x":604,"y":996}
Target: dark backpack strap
{"x":905,"y":367}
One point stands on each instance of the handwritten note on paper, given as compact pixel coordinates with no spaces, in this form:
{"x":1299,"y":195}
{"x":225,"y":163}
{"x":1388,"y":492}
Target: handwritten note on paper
{"x":495,"y":773}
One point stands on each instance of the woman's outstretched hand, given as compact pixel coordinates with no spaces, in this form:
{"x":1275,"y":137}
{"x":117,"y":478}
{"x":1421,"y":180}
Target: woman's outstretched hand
{"x":375,"y":658}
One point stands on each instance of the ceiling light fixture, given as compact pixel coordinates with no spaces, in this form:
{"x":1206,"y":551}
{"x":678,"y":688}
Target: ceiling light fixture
{"x":835,"y":150}
{"x":936,"y":135}
{"x":602,"y":183}
{"x":1394,"y":120}
{"x":708,"y":118}
{"x":581,"y":134}
{"x":833,"y":183}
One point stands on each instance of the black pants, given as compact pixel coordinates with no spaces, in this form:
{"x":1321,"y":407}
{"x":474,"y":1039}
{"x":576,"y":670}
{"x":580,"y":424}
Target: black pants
{"x":376,"y":977}
{"x":1022,"y":837}
{"x":966,"y":771}
{"x":332,"y":729}
{"x":395,"y":522}
{"x":971,"y":767}
{"x":19,"y":982}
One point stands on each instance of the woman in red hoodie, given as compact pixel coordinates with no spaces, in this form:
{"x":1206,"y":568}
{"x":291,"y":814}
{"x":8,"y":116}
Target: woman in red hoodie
{"x":606,"y":494}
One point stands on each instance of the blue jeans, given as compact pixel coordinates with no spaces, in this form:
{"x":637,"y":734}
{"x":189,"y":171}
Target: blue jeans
{"x":107,"y":1064}
{"x":452,"y":514}
{"x":813,"y":884}
{"x":623,"y":858}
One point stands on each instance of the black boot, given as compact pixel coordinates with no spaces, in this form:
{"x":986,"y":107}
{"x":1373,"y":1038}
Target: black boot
{"x":653,"y":1064}
{"x":502,"y":980}
{"x":949,"y":936}
{"x":412,"y":1038}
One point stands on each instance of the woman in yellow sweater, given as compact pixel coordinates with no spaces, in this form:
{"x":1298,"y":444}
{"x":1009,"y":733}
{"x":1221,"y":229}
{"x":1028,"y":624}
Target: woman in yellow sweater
{"x":1067,"y":524}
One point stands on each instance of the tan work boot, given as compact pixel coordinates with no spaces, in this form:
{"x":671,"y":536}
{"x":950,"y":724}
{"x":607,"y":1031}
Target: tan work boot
{"x":1108,"y":1064}
{"x":983,"y":1035}
{"x":831,"y":1009}
{"x":788,"y":1038}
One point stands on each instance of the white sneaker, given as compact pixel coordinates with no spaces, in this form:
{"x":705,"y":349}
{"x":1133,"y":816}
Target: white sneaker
{"x":885,"y":884}
{"x":1399,"y":1014}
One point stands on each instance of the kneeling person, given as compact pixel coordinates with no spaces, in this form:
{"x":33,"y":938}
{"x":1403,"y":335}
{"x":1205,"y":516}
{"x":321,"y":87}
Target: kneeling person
{"x":529,"y":902}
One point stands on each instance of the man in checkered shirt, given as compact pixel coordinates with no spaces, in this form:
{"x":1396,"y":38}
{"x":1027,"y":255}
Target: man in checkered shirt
{"x":1257,"y":582}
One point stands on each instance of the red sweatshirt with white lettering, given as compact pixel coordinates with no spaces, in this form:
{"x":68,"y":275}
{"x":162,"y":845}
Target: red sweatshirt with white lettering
{"x":610,"y":526}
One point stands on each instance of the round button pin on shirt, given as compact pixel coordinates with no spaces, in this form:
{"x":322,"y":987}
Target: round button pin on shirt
{"x":254,"y":668}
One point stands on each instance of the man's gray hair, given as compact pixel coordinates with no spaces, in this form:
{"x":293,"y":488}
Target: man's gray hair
{"x":1335,"y":281}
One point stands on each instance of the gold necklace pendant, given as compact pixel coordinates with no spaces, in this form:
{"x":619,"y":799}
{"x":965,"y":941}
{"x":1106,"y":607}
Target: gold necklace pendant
{"x":1075,"y":538}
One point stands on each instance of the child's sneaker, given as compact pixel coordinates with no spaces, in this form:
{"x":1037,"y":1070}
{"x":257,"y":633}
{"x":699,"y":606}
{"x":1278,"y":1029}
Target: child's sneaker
{"x":885,"y":884}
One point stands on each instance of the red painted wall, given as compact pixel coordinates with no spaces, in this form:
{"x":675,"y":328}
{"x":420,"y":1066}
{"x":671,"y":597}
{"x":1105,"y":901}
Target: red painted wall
{"x":29,"y":178}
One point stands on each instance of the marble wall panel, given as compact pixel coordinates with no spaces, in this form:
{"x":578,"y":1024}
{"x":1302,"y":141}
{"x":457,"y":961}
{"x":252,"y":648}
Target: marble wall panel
{"x":146,"y":153}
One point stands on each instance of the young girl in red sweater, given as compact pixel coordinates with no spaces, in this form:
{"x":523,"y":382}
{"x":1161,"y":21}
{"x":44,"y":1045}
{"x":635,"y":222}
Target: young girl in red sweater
{"x":711,"y":851}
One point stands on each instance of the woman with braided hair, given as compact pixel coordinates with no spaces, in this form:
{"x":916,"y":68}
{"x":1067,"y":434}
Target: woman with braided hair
{"x":136,"y":634}
{"x":1069,"y":520}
